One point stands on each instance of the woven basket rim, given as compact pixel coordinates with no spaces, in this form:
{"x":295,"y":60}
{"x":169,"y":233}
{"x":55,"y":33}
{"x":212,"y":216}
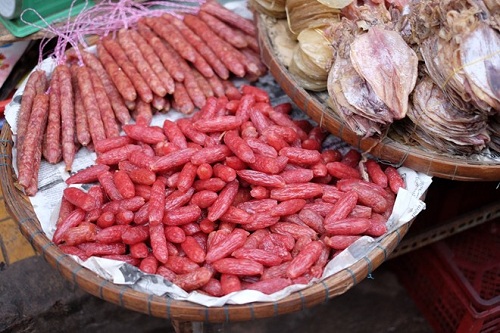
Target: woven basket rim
{"x":22,"y":212}
{"x":386,"y":150}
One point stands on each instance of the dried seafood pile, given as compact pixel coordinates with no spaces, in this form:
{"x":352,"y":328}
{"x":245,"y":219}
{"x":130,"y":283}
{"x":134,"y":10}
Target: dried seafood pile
{"x":371,"y":78}
{"x":429,"y":68}
{"x":457,"y":97}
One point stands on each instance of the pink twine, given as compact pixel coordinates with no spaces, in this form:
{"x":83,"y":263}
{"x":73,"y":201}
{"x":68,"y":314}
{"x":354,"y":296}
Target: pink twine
{"x":104,"y":18}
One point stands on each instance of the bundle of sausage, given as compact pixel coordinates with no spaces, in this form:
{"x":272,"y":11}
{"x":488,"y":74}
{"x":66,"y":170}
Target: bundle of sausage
{"x":239,"y":196}
{"x":161,"y":62}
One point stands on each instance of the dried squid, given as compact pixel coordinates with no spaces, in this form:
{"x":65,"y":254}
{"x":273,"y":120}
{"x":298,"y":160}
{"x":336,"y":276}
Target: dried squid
{"x":460,"y":44}
{"x":371,"y":78}
{"x":494,"y":129}
{"x":388,"y":65}
{"x":436,"y":119}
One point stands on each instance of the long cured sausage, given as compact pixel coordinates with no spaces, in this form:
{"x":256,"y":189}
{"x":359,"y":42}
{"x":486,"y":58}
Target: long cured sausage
{"x":162,"y":52}
{"x":37,"y":83}
{"x":226,"y":15}
{"x":166,"y":31}
{"x":114,"y":48}
{"x":137,"y":59}
{"x":52,"y":151}
{"x":67,"y":116}
{"x":119,"y":107}
{"x":33,"y":139}
{"x":226,"y":53}
{"x":81,"y":125}
{"x":107,"y":115}
{"x":154,"y":61}
{"x":96,"y":127}
{"x":120,"y":79}
{"x":217,"y":66}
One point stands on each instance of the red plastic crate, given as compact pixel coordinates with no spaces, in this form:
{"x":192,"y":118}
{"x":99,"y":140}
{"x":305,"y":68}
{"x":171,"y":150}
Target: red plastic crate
{"x":456,"y":291}
{"x":473,"y":258}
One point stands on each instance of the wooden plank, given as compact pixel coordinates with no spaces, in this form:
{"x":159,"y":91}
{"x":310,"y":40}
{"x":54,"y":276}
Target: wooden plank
{"x":13,"y":245}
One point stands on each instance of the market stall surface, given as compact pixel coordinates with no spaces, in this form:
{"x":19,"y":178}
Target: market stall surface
{"x":34,"y":297}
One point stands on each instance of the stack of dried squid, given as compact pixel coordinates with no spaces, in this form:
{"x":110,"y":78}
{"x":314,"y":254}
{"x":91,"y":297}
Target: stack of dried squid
{"x":457,"y":98}
{"x":372,"y":74}
{"x":428,"y":70}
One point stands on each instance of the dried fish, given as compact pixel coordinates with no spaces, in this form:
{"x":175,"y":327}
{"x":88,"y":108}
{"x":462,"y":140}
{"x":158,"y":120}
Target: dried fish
{"x":389,"y":66}
{"x":480,"y":57}
{"x":312,"y":59}
{"x":309,"y":14}
{"x":371,"y":78}
{"x":342,"y":71}
{"x":460,"y":44}
{"x":272,"y":8}
{"x":494,"y":129}
{"x":437,"y":119}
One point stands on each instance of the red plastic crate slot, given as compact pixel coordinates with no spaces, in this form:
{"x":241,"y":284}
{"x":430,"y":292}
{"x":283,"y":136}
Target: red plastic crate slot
{"x":484,"y":322}
{"x":440,"y":298}
{"x":473,"y":258}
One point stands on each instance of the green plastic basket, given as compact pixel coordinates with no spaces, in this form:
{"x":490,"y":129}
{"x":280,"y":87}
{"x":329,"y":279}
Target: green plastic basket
{"x":47,"y":12}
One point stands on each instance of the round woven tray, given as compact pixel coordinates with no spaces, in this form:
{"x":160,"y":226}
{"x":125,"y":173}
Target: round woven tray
{"x":386,"y":149}
{"x":22,"y":211}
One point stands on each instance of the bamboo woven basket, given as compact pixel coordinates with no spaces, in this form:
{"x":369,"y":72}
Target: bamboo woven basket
{"x":22,"y":211}
{"x":386,"y":149}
